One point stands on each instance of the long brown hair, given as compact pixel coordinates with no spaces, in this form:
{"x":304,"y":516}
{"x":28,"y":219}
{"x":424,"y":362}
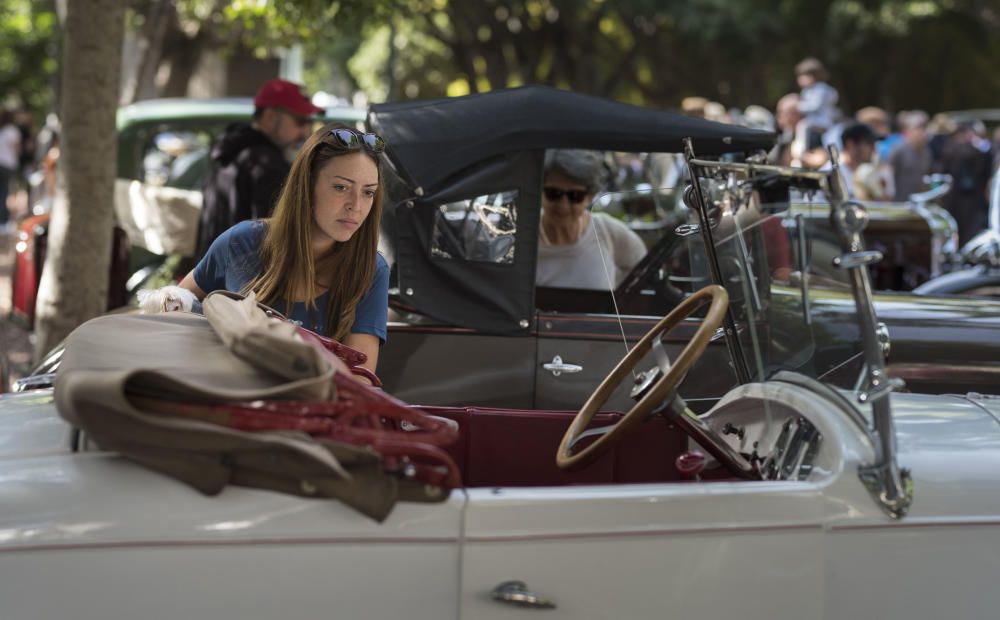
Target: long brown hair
{"x":288,"y":269}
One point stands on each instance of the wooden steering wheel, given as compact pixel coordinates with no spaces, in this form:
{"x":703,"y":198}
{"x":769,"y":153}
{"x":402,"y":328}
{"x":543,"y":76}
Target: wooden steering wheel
{"x":667,"y":383}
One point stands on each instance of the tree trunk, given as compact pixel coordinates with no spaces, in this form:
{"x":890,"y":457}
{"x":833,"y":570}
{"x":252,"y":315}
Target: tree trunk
{"x":74,"y":284}
{"x":162,"y":18}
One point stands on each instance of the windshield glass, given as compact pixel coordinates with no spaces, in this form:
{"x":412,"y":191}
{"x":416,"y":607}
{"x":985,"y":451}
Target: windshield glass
{"x":813,"y":317}
{"x":791,"y":309}
{"x":754,"y":251}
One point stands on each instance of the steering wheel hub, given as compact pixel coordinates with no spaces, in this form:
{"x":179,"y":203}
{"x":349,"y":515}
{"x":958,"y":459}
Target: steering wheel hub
{"x":643,"y":382}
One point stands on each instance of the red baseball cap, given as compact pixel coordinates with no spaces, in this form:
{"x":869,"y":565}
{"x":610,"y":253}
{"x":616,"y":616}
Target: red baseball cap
{"x":285,"y":95}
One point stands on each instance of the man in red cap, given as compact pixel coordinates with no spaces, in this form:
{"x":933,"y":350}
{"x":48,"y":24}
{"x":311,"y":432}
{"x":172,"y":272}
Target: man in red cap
{"x":249,"y":161}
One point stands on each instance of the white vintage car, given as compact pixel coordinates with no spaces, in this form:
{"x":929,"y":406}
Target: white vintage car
{"x":787,"y":499}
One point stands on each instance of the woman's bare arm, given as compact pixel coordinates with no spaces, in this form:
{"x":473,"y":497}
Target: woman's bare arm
{"x":367,"y":344}
{"x":189,"y":283}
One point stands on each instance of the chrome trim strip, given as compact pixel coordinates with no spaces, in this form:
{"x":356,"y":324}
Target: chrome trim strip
{"x":971,"y":373}
{"x":745,"y":529}
{"x":912,"y":523}
{"x":241,"y":542}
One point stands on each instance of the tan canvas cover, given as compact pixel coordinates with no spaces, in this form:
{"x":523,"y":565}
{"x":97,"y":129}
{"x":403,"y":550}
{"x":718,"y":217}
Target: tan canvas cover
{"x":118,"y":369}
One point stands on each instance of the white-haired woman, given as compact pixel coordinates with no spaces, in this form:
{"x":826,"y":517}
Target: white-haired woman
{"x":576,"y":247}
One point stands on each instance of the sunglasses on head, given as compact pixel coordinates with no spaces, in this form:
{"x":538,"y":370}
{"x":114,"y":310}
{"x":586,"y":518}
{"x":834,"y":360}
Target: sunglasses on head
{"x":349,"y":139}
{"x":575,"y":195}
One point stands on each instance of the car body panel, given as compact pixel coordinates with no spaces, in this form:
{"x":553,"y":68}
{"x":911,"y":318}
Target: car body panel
{"x":785,"y":549}
{"x":150,"y":539}
{"x":916,"y":241}
{"x":980,"y":280}
{"x":495,"y":371}
{"x":799,"y":509}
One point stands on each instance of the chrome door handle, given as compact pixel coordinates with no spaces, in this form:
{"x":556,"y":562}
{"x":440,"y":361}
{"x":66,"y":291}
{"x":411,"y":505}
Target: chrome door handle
{"x":557,"y":367}
{"x":516,"y":593}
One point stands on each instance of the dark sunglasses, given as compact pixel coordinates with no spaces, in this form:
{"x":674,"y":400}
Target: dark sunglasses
{"x":349,"y":139}
{"x":298,"y":119}
{"x":575,"y":195}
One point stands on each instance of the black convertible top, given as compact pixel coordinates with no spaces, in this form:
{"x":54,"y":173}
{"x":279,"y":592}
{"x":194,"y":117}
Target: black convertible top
{"x":433,"y":139}
{"x":481,"y":147}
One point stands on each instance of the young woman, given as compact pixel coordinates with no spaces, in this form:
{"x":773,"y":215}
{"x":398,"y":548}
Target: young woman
{"x":316,"y":258}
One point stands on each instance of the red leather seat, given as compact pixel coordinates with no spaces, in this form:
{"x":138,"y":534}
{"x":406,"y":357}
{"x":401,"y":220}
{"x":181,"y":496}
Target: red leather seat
{"x":517,"y":447}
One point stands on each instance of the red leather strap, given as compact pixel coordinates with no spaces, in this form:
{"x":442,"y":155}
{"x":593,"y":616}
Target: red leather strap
{"x":351,"y":357}
{"x":360,"y":415}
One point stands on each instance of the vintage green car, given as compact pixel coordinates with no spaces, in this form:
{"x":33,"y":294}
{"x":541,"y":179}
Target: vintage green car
{"x":166,"y":141}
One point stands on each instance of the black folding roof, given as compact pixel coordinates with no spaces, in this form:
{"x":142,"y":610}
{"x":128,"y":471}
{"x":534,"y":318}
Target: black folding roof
{"x":433,"y":139}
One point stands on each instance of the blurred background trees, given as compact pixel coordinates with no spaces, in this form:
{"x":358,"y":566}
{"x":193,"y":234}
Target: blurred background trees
{"x":897,"y":54}
{"x":931,"y":54}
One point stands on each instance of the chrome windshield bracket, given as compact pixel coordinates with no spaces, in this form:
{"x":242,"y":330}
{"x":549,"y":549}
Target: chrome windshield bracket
{"x":802,"y":255}
{"x":694,"y":199}
{"x":878,"y":480}
{"x":891,"y":487}
{"x":857,"y":259}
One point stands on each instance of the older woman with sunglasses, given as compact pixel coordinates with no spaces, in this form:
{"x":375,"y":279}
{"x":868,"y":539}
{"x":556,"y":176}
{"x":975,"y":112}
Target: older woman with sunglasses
{"x":316,"y":258}
{"x":578,"y":248}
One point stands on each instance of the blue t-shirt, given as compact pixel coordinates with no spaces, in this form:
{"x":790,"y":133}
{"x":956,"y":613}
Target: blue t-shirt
{"x":233,"y":260}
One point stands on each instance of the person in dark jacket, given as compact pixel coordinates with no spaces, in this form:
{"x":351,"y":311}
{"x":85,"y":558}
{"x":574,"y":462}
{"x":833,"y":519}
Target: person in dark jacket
{"x":249,"y":162}
{"x":970,"y":168}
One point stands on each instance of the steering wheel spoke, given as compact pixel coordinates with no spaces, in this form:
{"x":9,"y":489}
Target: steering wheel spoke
{"x":669,"y":376}
{"x":592,"y":432}
{"x":660,"y":355}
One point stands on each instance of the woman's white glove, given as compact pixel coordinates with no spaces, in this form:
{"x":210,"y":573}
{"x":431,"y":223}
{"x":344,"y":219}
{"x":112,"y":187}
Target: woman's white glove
{"x":166,"y":299}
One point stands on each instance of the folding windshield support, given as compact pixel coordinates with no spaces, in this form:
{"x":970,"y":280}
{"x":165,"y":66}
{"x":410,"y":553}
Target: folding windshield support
{"x":890,"y":486}
{"x":728,"y":323}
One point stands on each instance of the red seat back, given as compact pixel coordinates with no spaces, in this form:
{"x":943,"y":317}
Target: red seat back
{"x":517,"y":447}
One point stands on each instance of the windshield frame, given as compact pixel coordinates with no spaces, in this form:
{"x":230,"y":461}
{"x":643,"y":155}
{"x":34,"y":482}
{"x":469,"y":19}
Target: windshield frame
{"x":891,"y":486}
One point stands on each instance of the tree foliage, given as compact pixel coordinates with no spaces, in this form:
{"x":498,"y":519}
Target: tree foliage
{"x":29,"y":53}
{"x":896,"y":53}
{"x":934,"y":54}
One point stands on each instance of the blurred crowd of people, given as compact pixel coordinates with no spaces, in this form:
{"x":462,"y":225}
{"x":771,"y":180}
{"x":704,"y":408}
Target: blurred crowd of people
{"x":27,"y":163}
{"x":882,"y":156}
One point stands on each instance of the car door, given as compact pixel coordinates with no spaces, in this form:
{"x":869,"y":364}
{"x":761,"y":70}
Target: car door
{"x":453,"y":366}
{"x":577,"y":351}
{"x":583,"y":334}
{"x":675,"y":550}
{"x":120,"y":541}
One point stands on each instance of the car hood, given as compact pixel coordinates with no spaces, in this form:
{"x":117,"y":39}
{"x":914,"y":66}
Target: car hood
{"x":971,"y":318}
{"x":30,"y":426}
{"x":943,"y":310}
{"x":951,"y":445}
{"x":958,"y":424}
{"x":55,"y":499}
{"x":938,"y":344}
